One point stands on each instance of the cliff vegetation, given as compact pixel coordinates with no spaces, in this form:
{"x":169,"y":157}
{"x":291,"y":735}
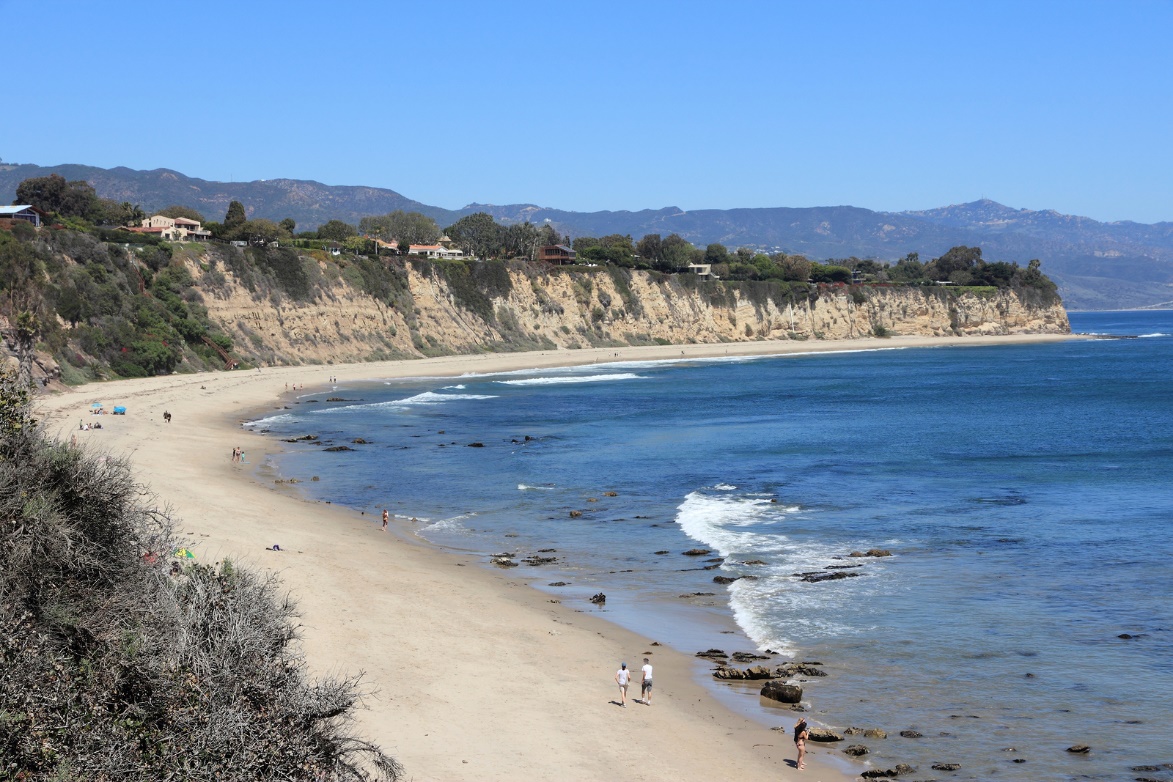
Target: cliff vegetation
{"x":83,"y":302}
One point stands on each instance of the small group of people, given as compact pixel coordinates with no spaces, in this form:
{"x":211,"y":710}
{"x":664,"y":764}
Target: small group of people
{"x":85,"y":427}
{"x":237,"y":454}
{"x":623,"y":678}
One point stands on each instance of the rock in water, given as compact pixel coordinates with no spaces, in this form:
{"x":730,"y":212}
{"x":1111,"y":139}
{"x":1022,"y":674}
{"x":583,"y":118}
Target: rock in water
{"x":1079,"y":749}
{"x":599,"y":599}
{"x":783,"y":693}
{"x":823,"y":734}
{"x":855,"y":750}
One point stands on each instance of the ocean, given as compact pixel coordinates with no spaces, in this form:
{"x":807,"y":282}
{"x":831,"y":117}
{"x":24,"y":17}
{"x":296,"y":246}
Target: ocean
{"x":1023,"y":492}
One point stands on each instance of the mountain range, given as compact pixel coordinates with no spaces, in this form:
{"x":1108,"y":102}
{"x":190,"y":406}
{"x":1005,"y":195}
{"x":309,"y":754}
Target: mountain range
{"x":1098,"y":265}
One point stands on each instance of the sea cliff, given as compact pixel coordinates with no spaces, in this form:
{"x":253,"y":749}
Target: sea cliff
{"x":432,"y":308}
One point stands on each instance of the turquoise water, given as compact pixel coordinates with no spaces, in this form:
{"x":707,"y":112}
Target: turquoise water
{"x":1023,"y":490}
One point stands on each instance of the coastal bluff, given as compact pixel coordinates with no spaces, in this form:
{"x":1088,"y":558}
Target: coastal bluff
{"x":408,"y":308}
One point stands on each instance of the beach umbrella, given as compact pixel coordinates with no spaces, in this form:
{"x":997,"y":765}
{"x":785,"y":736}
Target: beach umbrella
{"x":183,"y":553}
{"x":95,"y":405}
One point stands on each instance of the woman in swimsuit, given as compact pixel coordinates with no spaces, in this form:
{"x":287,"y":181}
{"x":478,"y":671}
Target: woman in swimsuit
{"x":801,"y":734}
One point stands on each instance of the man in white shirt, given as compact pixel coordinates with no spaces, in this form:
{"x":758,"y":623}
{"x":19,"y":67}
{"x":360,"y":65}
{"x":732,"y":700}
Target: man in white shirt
{"x":645,"y":686}
{"x":622,"y":677}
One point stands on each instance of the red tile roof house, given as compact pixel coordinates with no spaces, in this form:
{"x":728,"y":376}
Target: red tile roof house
{"x":173,"y":229}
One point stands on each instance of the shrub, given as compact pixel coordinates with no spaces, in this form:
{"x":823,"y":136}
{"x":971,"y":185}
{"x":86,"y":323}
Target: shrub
{"x":113,"y":666}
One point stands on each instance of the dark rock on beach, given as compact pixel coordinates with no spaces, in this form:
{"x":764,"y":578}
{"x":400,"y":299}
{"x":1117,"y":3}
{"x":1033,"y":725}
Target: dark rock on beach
{"x":755,"y":673}
{"x":338,"y":448}
{"x":534,"y":560}
{"x":904,"y":768}
{"x":559,"y":584}
{"x":359,"y":441}
{"x":700,"y":594}
{"x":503,"y":562}
{"x":476,"y":445}
{"x":303,"y":438}
{"x":911,"y":734}
{"x":1079,"y":749}
{"x":872,"y":552}
{"x":783,"y":693}
{"x":697,"y":552}
{"x":946,"y":766}
{"x":574,"y":514}
{"x":880,"y":773}
{"x":855,"y":750}
{"x":661,"y":552}
{"x":599,"y":599}
{"x":712,"y":654}
{"x":725,"y":579}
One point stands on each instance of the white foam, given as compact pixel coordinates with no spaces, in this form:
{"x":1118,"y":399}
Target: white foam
{"x":527,"y":487}
{"x":549,"y":381}
{"x":450,"y":525}
{"x":730,"y":523}
{"x":280,"y":418}
{"x":1154,"y":334}
{"x":724,"y":487}
{"x":424,"y":399}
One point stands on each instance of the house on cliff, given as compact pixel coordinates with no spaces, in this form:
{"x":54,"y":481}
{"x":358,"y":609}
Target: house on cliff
{"x":557,"y":254}
{"x":173,"y":229}
{"x":23,"y":212}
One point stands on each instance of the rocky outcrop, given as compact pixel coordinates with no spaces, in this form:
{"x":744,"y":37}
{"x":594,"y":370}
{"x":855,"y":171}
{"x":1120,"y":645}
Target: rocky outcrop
{"x":532,"y":307}
{"x":781,"y":692}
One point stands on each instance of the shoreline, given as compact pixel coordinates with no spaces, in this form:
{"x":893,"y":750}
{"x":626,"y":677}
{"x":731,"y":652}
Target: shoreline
{"x":447,"y":651}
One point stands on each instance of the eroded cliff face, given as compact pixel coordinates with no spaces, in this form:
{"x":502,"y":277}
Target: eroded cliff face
{"x":572,"y":307}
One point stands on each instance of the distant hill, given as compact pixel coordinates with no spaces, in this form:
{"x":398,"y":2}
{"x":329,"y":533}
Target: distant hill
{"x":1117,"y":265}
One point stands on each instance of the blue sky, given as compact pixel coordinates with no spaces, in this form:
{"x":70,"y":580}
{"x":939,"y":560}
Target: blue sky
{"x":615,"y":105}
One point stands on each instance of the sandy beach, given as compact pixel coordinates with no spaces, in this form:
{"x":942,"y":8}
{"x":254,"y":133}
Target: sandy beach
{"x":472,"y":675}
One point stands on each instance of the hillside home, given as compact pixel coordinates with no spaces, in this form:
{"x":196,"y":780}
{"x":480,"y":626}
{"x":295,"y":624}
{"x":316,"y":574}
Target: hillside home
{"x":702,"y":270}
{"x":557,"y":253}
{"x":437,"y":251}
{"x":29,"y":214}
{"x":173,"y":229}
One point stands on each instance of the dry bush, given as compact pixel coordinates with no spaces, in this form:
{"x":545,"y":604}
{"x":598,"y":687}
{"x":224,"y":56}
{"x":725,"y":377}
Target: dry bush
{"x":115,"y":666}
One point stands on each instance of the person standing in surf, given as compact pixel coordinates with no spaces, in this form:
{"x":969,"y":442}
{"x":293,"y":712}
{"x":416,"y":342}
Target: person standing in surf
{"x":801,"y":734}
{"x":386,"y":518}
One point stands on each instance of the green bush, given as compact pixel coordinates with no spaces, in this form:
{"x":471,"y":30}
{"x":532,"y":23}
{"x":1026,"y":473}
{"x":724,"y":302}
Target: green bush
{"x":118,"y":661}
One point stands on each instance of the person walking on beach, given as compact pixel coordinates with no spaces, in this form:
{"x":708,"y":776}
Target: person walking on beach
{"x":801,"y":734}
{"x":645,"y":684}
{"x":386,"y":518}
{"x":622,"y":677}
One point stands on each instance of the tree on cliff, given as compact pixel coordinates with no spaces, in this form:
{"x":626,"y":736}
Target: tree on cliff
{"x":54,"y":194}
{"x":410,"y":227}
{"x":477,"y":234}
{"x":336,"y":231}
{"x":235,"y":217}
{"x":186,"y":212}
